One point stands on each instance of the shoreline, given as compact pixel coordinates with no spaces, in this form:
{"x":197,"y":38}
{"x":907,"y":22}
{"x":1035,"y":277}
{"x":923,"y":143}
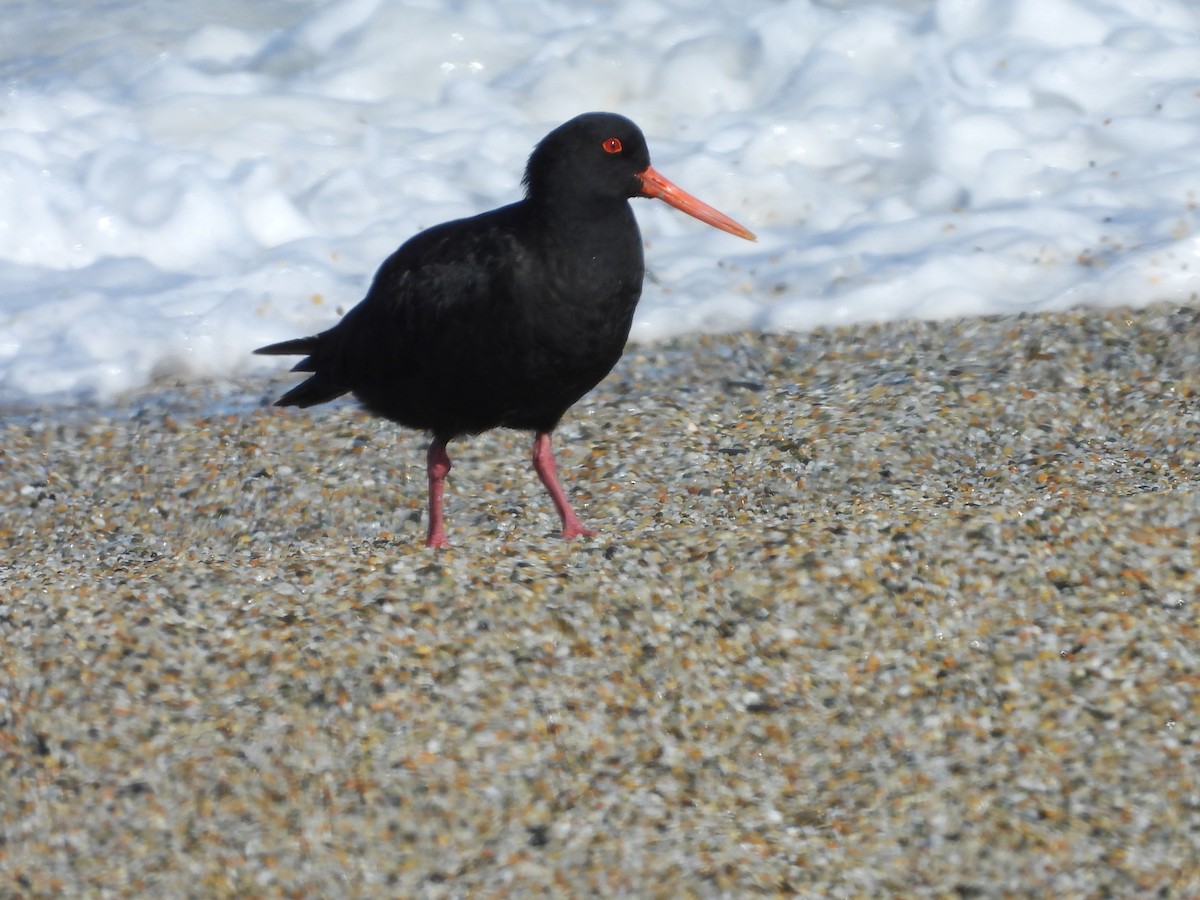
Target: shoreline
{"x":896,"y":607}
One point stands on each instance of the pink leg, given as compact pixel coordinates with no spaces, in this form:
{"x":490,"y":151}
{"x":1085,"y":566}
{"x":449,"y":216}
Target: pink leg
{"x":439,"y":465}
{"x":543,"y":462}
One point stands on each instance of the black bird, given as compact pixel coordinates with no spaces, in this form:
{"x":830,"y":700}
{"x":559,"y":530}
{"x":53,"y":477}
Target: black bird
{"x":507,"y":318}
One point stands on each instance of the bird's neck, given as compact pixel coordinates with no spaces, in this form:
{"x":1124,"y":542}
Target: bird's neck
{"x":595,"y":224}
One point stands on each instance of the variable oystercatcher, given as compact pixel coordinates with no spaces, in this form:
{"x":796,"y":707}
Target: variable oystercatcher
{"x":509,"y":317}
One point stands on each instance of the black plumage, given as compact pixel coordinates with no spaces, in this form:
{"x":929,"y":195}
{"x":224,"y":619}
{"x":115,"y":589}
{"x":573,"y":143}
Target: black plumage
{"x":507,"y":318}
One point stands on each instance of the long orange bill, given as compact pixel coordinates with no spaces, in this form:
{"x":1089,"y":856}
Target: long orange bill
{"x":654,"y":185}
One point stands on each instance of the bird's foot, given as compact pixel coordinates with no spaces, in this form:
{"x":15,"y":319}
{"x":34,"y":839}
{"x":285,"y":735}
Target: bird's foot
{"x":576,"y":530}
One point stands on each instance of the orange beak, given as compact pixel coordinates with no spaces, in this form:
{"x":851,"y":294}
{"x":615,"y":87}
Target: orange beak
{"x":654,"y":185}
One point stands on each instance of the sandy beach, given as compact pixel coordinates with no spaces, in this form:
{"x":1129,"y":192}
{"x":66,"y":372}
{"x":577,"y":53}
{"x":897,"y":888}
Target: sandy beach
{"x":901,"y":609}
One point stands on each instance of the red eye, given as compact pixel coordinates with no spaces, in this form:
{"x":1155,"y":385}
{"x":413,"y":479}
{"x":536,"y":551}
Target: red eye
{"x":612,"y":145}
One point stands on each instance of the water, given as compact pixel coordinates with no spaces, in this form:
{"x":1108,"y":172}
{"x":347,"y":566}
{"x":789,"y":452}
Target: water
{"x":180,"y":183}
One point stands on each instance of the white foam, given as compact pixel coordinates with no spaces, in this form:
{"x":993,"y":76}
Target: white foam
{"x":183,"y":182}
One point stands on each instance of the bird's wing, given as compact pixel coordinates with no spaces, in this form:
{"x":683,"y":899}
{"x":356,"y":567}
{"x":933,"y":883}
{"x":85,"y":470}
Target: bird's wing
{"x":444,"y":290}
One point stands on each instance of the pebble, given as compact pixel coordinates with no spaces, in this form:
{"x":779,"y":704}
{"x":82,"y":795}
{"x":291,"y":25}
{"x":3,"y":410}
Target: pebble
{"x":895,"y":609}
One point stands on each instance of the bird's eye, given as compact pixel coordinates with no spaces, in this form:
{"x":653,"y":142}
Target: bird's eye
{"x":612,"y":145}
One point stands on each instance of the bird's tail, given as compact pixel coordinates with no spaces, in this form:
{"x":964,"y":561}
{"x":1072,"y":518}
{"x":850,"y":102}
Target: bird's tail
{"x":320,"y":387}
{"x":295,"y":347}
